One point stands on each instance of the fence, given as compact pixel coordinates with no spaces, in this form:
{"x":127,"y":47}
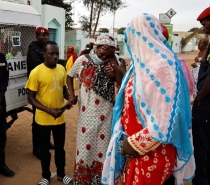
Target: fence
{"x":15,"y":39}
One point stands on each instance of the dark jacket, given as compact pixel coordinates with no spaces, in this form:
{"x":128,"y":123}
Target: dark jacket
{"x":4,"y":75}
{"x":204,"y":70}
{"x":34,"y":56}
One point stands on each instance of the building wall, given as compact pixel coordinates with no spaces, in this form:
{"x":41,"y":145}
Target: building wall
{"x":37,"y":4}
{"x":191,"y":46}
{"x":57,"y":22}
{"x":77,"y":39}
{"x":53,"y":18}
{"x":120,"y":41}
{"x":176,"y":46}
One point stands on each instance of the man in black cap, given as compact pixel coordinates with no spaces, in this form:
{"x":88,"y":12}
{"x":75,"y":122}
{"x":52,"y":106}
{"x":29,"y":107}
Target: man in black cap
{"x":4,"y":79}
{"x":34,"y":58}
{"x":87,"y":51}
{"x":201,"y":113}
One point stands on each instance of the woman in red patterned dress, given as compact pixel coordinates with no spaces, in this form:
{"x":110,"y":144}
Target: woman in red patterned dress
{"x":96,"y":96}
{"x":151,"y":126}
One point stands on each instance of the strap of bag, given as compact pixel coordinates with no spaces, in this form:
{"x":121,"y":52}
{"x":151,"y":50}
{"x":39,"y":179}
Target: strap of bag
{"x":88,"y":57}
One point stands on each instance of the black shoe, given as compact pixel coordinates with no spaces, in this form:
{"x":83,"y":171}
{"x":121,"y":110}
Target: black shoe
{"x":52,"y":146}
{"x":36,"y":152}
{"x":4,"y":170}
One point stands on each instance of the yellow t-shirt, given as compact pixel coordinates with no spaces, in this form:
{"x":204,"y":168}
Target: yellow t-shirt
{"x":69,"y":64}
{"x":48,"y":83}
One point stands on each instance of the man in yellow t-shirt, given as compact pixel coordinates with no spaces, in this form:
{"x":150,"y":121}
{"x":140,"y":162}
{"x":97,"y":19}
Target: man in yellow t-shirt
{"x":46,"y":91}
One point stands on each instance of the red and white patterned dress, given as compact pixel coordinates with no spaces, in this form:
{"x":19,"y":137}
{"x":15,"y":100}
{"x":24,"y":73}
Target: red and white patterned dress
{"x":156,"y":162}
{"x":93,"y":132}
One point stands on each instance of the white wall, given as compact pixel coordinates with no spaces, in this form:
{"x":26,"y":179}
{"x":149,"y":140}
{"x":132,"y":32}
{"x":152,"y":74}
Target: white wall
{"x":191,"y":46}
{"x":77,"y":35}
{"x":119,"y":38}
{"x":50,"y":13}
{"x":37,"y":4}
{"x":72,"y":34}
{"x":86,"y":41}
{"x":176,"y":46}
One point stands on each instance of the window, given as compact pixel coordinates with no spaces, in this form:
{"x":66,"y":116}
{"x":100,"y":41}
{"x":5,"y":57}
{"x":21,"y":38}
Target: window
{"x":52,"y":34}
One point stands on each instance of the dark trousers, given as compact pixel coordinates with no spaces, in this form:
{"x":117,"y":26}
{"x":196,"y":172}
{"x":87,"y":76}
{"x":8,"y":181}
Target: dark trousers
{"x":35,"y":134}
{"x":201,"y":141}
{"x":2,"y":132}
{"x":170,"y":181}
{"x":58,"y":132}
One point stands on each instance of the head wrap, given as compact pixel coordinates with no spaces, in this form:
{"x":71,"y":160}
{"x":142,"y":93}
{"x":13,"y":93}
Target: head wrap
{"x":161,"y":97}
{"x":204,"y":14}
{"x":71,"y":47}
{"x":165,"y":31}
{"x":41,"y":30}
{"x":91,"y":43}
{"x":105,"y":39}
{"x":188,"y":76}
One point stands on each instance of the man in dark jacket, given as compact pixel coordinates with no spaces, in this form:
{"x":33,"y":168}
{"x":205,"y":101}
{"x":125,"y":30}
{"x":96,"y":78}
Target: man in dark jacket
{"x":34,"y":58}
{"x":87,"y":51}
{"x":86,"y":48}
{"x":200,"y":113}
{"x":4,"y":78}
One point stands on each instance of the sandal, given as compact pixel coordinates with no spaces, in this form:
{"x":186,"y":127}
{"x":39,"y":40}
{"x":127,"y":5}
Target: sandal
{"x":66,"y":180}
{"x":44,"y":182}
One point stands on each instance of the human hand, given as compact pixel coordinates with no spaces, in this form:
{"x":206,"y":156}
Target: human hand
{"x":198,"y":101}
{"x":108,"y":51}
{"x":55,"y":112}
{"x":128,"y":149}
{"x":73,"y":100}
{"x":194,"y":65}
{"x":67,"y":106}
{"x":122,"y":62}
{"x":196,"y":59}
{"x":109,"y":71}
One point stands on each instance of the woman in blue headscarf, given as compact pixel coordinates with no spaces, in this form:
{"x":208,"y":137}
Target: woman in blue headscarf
{"x":151,"y":127}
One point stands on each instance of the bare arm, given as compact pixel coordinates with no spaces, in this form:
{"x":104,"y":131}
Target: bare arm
{"x":65,"y":93}
{"x":70,"y":84}
{"x":33,"y":101}
{"x":110,"y":53}
{"x":118,"y":75}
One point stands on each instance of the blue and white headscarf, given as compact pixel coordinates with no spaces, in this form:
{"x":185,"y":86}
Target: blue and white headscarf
{"x":161,"y":98}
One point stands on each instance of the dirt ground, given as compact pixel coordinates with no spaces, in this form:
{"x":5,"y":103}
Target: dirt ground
{"x":19,"y":156}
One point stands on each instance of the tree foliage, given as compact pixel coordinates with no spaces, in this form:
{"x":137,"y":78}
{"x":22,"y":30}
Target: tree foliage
{"x":186,"y":40}
{"x":84,"y":21}
{"x":99,"y":8}
{"x":199,"y":30}
{"x":103,"y":30}
{"x":66,"y":5}
{"x":120,"y":31}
